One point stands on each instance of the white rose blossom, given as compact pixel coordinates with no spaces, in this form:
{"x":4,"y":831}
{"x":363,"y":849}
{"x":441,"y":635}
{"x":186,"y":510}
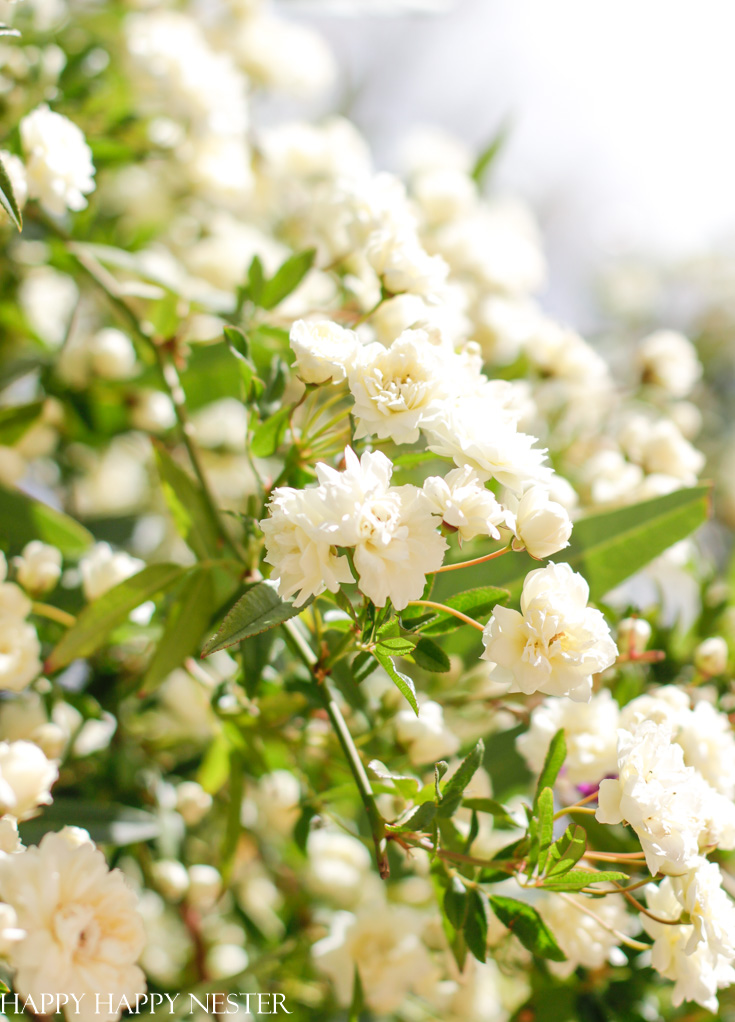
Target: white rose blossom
{"x":38,"y":567}
{"x":26,"y":778}
{"x":426,"y":736}
{"x":669,"y":360}
{"x":583,"y":940}
{"x":556,"y":643}
{"x":542,"y":526}
{"x":102,"y":569}
{"x":59,"y":166}
{"x":83,"y":933}
{"x":465,"y":504}
{"x":324,"y":350}
{"x":674,"y":812}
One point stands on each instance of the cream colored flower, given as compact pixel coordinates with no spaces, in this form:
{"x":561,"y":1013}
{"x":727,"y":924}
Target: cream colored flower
{"x":102,"y":569}
{"x":38,"y":567}
{"x":556,"y":643}
{"x":426,"y":737}
{"x":59,"y":164}
{"x":324,"y":350}
{"x":26,"y":778}
{"x":583,"y":940}
{"x":543,"y":527}
{"x":465,"y":504}
{"x":83,"y":931}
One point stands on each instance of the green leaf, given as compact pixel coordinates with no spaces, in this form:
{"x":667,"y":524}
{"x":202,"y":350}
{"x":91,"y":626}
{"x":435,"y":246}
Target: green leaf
{"x":455,"y":903}
{"x":258,"y":610}
{"x":23,"y":519}
{"x":215,"y":766}
{"x":269,"y":434}
{"x":413,"y":458}
{"x":256,"y":280}
{"x":553,"y":763}
{"x":566,"y":850}
{"x":576,"y":879}
{"x":476,"y":921}
{"x":608,"y":547}
{"x":475,"y":603}
{"x":185,"y":625}
{"x":233,"y":826}
{"x":358,"y":998}
{"x":454,"y":788}
{"x":402,"y":682}
{"x":488,"y":156}
{"x":502,"y":816}
{"x":545,"y":826}
{"x":104,"y":614}
{"x":7,"y":197}
{"x":527,"y":925}
{"x":363,"y":666}
{"x":397,"y":646}
{"x":237,"y":340}
{"x":286,"y":279}
{"x":16,"y":420}
{"x":108,"y":824}
{"x":420,"y":819}
{"x":188,"y":506}
{"x":431,"y":657}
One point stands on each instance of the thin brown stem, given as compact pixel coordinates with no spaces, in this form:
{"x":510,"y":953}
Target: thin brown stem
{"x":469,"y":564}
{"x":448,"y":610}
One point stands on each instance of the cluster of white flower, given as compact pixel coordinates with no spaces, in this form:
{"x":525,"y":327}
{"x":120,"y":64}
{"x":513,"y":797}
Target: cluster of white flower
{"x":59,"y":169}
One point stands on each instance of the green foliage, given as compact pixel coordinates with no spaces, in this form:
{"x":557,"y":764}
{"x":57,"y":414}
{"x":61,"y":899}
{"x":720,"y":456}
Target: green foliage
{"x":7,"y":197}
{"x":402,"y":682}
{"x":555,"y":756}
{"x":16,"y":420}
{"x":188,"y":506}
{"x":185,"y":625}
{"x":258,"y":610}
{"x":22,"y":519}
{"x":453,"y":790}
{"x":103,"y":615}
{"x":526,"y":924}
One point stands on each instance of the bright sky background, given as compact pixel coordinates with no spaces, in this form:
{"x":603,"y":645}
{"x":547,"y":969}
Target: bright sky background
{"x":624,"y":135}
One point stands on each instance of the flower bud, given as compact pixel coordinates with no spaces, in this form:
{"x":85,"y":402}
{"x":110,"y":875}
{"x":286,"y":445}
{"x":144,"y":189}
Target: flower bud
{"x":152,"y":411}
{"x":112,"y":355}
{"x":171,"y":878}
{"x":634,"y":634}
{"x":205,"y":885}
{"x":38,"y":567}
{"x":192,"y":802}
{"x":710,"y":656}
{"x":542,"y":525}
{"x":51,"y":740}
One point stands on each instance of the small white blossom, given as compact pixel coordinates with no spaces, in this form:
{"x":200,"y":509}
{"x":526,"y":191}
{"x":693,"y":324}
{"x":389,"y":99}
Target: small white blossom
{"x":583,"y":940}
{"x":324,"y":351}
{"x":465,"y":504}
{"x":556,"y":643}
{"x":26,"y":778}
{"x":426,"y":737}
{"x":669,"y":360}
{"x":112,"y":355}
{"x":39,"y":567}
{"x":543,"y":527}
{"x":59,"y":164}
{"x":339,"y":866}
{"x":102,"y":569}
{"x":710,"y":656}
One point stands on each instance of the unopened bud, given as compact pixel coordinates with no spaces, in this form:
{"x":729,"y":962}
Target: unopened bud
{"x":193,"y":802}
{"x":205,"y":885}
{"x":633,"y":636}
{"x":171,"y":878}
{"x":710,"y":656}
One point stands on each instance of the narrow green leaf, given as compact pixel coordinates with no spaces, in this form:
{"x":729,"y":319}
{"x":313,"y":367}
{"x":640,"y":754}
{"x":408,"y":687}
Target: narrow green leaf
{"x":185,"y":625}
{"x":16,"y":420}
{"x":455,"y":903}
{"x":476,"y":922}
{"x":269,"y":434}
{"x":233,"y":826}
{"x":258,"y":610}
{"x":487,"y":157}
{"x":7,"y":197}
{"x":358,"y":998}
{"x":502,"y":815}
{"x":553,"y":763}
{"x":189,"y":509}
{"x":397,"y":646}
{"x":420,"y":819}
{"x":104,"y":614}
{"x":215,"y":766}
{"x":454,"y":788}
{"x":107,"y":823}
{"x":440,"y":770}
{"x":431,"y":657}
{"x":286,"y":279}
{"x":302,"y":828}
{"x":545,"y":826}
{"x":402,"y":682}
{"x":475,"y":603}
{"x":576,"y":879}
{"x":493,"y":876}
{"x":567,"y":850}
{"x":256,"y":280}
{"x":237,"y":340}
{"x":363,"y":666}
{"x":528,"y":926}
{"x":608,"y":547}
{"x":23,"y":519}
